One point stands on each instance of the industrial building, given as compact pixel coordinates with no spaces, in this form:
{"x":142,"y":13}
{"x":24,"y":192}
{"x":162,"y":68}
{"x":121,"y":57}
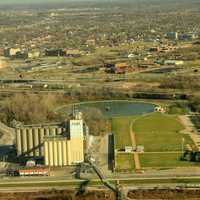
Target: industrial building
{"x":59,"y":151}
{"x":30,"y":140}
{"x":58,"y":145}
{"x":172,"y":35}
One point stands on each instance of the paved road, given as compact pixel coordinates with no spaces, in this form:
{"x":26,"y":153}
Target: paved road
{"x":125,"y":181}
{"x":68,"y":179}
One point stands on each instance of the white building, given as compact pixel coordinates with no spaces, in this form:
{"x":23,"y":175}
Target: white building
{"x":76,"y":129}
{"x":174,"y":62}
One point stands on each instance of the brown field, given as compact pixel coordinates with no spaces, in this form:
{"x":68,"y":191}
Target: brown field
{"x":139,"y":194}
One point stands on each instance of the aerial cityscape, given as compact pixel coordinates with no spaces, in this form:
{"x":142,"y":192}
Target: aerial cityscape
{"x":99,"y":100}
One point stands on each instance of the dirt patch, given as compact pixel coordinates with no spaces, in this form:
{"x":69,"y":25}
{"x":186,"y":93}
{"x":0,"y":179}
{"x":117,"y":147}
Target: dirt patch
{"x":59,"y":195}
{"x":101,"y":194}
{"x":135,"y":155}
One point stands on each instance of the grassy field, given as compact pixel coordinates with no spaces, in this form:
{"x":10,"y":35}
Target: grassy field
{"x":124,"y":162}
{"x":161,"y":136}
{"x":164,"y":160}
{"x":158,"y":132}
{"x":121,"y":128}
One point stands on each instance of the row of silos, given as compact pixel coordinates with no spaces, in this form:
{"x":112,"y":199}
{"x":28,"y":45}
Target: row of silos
{"x":30,"y":141}
{"x":60,"y":151}
{"x":56,"y":151}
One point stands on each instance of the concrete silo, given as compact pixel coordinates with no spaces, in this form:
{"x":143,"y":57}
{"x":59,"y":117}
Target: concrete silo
{"x":59,"y":151}
{"x":30,"y":140}
{"x":56,"y":153}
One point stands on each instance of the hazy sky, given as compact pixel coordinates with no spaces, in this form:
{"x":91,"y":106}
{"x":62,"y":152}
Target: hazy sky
{"x":34,"y":1}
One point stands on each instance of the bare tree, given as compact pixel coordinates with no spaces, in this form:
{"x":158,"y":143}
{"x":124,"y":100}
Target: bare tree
{"x":98,"y":124}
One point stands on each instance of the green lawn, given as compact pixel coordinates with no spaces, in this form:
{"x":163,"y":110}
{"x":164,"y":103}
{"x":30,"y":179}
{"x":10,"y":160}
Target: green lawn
{"x":124,"y":162}
{"x":121,"y":128}
{"x":157,"y":133}
{"x":165,"y":160}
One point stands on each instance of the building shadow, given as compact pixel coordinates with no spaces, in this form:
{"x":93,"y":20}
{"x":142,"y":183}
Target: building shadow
{"x":7,"y":153}
{"x":110,"y":152}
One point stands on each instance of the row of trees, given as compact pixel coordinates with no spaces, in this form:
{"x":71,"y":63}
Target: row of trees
{"x":34,"y":109}
{"x":181,"y":82}
{"x":30,"y":108}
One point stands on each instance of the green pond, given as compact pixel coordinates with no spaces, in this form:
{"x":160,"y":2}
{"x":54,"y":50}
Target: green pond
{"x":111,"y":108}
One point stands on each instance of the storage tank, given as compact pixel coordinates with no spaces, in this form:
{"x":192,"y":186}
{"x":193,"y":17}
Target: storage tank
{"x":46,"y":153}
{"x":65,"y":149}
{"x":24,"y":141}
{"x":30,"y":142}
{"x":18,"y":142}
{"x":41,"y":141}
{"x":60,"y":157}
{"x":36,"y":141}
{"x":46,"y":132}
{"x":50,"y":153}
{"x":56,"y":151}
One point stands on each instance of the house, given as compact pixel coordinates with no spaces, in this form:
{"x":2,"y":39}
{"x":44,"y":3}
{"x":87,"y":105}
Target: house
{"x":21,"y":55}
{"x":75,"y":53}
{"x":91,"y":42}
{"x":109,"y":68}
{"x":131,"y":55}
{"x":121,"y":65}
{"x":172,"y":36}
{"x":118,"y":68}
{"x":173,"y":62}
{"x":54,"y":52}
{"x":159,"y":109}
{"x":188,"y":36}
{"x":154,"y":49}
{"x":33,"y":54}
{"x":121,"y":68}
{"x":14,"y":51}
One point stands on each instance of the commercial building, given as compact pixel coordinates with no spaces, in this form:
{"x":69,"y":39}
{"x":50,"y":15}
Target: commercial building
{"x":14,"y":51}
{"x":172,"y":36}
{"x":34,"y":54}
{"x":173,"y":62}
